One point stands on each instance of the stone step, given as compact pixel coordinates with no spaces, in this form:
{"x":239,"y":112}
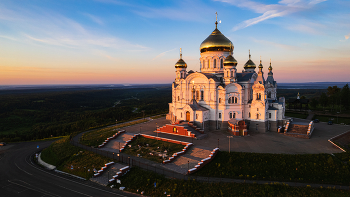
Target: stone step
{"x":187,"y":161}
{"x":110,"y":171}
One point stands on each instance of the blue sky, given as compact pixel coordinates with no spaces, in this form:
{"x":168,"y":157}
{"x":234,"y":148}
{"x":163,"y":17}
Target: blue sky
{"x":111,"y":41}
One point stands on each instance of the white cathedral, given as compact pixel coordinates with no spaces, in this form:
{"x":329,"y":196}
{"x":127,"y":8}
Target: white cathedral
{"x":218,"y":96}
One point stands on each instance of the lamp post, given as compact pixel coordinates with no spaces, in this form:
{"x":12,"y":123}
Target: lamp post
{"x":337,"y":116}
{"x":229,"y":143}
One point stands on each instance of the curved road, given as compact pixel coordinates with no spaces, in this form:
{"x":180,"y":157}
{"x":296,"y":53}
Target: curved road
{"x":19,"y":176}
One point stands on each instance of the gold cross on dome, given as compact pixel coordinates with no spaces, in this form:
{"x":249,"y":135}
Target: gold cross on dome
{"x":216,"y":13}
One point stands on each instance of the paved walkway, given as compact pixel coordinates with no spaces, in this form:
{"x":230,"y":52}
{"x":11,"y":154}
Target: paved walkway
{"x":256,"y":142}
{"x":270,"y":142}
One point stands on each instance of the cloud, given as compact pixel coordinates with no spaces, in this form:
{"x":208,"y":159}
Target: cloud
{"x":347,"y":36}
{"x":268,"y":11}
{"x":94,"y":18}
{"x":307,"y":27}
{"x":162,"y":54}
{"x":278,"y":45}
{"x":51,"y":28}
{"x":8,"y":37}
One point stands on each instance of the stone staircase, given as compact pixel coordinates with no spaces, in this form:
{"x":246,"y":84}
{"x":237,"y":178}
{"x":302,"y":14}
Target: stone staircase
{"x":297,"y":130}
{"x":103,"y":179}
{"x":194,"y":155}
{"x":113,"y":145}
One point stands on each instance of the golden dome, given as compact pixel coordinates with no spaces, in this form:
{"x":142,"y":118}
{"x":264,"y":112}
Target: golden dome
{"x":249,"y":63}
{"x":270,"y":68}
{"x":216,"y":41}
{"x":230,"y":61}
{"x":181,"y":64}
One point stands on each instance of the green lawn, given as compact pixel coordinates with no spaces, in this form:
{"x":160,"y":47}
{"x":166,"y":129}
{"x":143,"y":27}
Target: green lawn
{"x":315,"y":168}
{"x":63,"y":155}
{"x":145,"y":146}
{"x":296,"y":115}
{"x":138,"y":180}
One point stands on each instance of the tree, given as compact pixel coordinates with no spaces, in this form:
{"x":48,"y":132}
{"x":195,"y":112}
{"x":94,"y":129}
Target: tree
{"x":345,"y":97}
{"x":314,"y":103}
{"x":324,"y":100}
{"x":334,"y":95}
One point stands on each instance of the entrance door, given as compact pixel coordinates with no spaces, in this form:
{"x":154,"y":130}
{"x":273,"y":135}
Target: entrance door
{"x":188,"y":116}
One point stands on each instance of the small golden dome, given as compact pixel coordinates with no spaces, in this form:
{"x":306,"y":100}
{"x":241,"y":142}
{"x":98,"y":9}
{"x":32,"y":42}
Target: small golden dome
{"x":216,"y":41}
{"x":270,"y":67}
{"x":181,"y":64}
{"x":260,"y":65}
{"x":249,"y":63}
{"x":230,"y":61}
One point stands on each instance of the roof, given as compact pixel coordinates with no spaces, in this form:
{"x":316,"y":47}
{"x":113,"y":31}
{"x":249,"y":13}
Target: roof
{"x":244,"y":76}
{"x":272,"y":108}
{"x":196,"y":107}
{"x":211,"y":76}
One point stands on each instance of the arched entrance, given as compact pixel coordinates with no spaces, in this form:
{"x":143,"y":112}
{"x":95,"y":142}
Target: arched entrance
{"x":187,"y":116}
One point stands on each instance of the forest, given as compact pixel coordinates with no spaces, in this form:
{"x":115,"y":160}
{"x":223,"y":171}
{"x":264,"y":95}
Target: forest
{"x":39,"y":115}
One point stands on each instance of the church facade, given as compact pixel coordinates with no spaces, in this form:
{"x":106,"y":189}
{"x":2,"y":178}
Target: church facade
{"x":218,"y":96}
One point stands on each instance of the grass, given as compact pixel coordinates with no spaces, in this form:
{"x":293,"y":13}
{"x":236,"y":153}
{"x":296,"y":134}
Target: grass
{"x":138,"y":180}
{"x":333,"y":118}
{"x":63,"y":155}
{"x":158,"y":116}
{"x":97,"y":137}
{"x":316,"y":168}
{"x":296,"y":115}
{"x":155,"y":147}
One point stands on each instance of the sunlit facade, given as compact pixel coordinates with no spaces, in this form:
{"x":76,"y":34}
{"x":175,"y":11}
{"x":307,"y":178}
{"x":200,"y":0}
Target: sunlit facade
{"x":218,"y":94}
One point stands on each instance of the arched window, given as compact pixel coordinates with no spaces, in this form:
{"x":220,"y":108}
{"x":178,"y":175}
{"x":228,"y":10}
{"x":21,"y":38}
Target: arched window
{"x":202,"y":95}
{"x":231,"y":73}
{"x":257,"y":116}
{"x":197,"y":95}
{"x":234,"y":115}
{"x":181,"y":114}
{"x":203,"y":64}
{"x":208,"y":63}
{"x":269,"y":95}
{"x":214,"y":63}
{"x":232,"y":100}
{"x":196,"y":116}
{"x":219,"y":100}
{"x":249,"y":114}
{"x":227,"y":74}
{"x":221,"y":63}
{"x":258,"y":96}
{"x":178,"y":98}
{"x":219,"y":115}
{"x":230,"y":115}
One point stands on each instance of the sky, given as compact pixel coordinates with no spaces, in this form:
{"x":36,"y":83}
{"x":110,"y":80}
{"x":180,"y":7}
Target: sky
{"x":138,"y":41}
